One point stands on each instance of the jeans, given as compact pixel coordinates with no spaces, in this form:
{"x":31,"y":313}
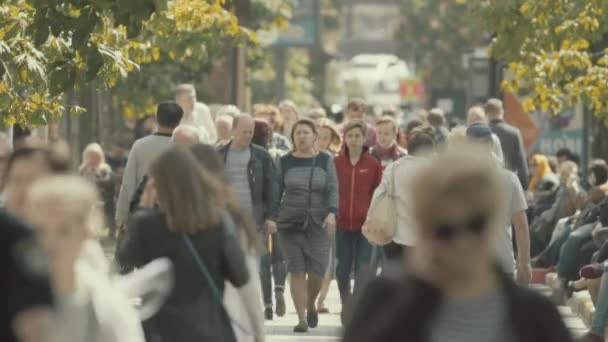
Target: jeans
{"x":567,"y":265}
{"x":550,"y":256}
{"x":272,"y":265}
{"x":600,"y":319}
{"x":352,"y":251}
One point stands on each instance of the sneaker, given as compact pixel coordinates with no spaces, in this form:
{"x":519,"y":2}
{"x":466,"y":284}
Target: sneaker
{"x":268,"y":315}
{"x":280,"y":306}
{"x":313,"y":318}
{"x":302,"y":327}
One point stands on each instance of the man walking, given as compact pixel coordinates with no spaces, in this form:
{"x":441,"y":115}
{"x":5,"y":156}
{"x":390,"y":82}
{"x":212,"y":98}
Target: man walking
{"x":510,"y":139}
{"x":251,"y":172}
{"x":143,"y":152}
{"x":355,"y":110}
{"x":358,"y":176}
{"x":196,"y":114}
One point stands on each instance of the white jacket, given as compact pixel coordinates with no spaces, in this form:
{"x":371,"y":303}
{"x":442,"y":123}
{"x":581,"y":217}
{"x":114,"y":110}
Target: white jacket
{"x":202,"y":120}
{"x":402,"y":169}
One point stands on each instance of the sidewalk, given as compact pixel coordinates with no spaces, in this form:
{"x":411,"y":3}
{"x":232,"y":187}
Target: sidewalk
{"x":281,"y":328}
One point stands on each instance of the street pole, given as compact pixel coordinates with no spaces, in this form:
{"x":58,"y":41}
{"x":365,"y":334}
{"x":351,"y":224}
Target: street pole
{"x":281,"y":72}
{"x":585,"y":158}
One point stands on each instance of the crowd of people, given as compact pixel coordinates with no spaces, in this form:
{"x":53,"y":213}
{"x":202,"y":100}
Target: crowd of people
{"x":238,"y":204}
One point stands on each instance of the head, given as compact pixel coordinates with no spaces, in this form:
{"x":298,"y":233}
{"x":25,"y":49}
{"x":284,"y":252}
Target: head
{"x":228,"y":110}
{"x":262,"y":133}
{"x":355,"y":110}
{"x":304,"y":135}
{"x":223,"y":125}
{"x":242,"y":131}
{"x":5,"y":152}
{"x":406,"y":129}
{"x":355,"y":135}
{"x":271,"y":114}
{"x":386,"y":131}
{"x":289,"y":111}
{"x":25,"y":166}
{"x":476,"y":114}
{"x":421,"y":140}
{"x":436,"y":118}
{"x":185,"y":135}
{"x":187,"y":194}
{"x":65,"y":211}
{"x":566,"y":170}
{"x":185,"y":96}
{"x":457,"y":213}
{"x":494,"y":109}
{"x":317,"y":114}
{"x":329,"y":139}
{"x":539,"y":165}
{"x":598,"y":173}
{"x":168,"y":115}
{"x":93,"y":156}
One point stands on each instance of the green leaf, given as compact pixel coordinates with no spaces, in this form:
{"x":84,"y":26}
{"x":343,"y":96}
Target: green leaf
{"x":94,"y":64}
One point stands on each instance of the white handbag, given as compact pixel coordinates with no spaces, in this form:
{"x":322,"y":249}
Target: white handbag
{"x":381,"y":222}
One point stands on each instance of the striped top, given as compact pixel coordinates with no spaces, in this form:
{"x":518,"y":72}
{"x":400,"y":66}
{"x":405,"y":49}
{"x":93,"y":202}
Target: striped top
{"x":481,"y":319}
{"x":294,"y":176}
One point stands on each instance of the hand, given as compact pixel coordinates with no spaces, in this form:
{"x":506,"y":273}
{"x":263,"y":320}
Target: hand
{"x":270,"y":226}
{"x":524,"y":273}
{"x":330,"y":224}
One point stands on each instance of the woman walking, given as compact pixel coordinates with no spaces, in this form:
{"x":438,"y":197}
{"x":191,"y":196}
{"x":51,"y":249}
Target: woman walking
{"x":308,"y":205}
{"x":95,"y":169}
{"x":192,"y":230}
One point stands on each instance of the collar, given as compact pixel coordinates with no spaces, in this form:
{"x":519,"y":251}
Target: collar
{"x":162,"y":134}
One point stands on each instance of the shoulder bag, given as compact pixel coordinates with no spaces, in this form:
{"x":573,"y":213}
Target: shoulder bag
{"x":381,"y":222}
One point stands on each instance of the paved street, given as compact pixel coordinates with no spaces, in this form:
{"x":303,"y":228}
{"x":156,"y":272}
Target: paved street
{"x":329,"y":329}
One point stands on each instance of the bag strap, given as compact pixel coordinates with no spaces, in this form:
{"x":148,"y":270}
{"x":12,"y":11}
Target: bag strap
{"x":230,"y":226}
{"x":312,"y":173}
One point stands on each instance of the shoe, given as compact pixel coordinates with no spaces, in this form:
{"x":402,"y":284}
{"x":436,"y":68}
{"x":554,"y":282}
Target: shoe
{"x":268,"y":315}
{"x":593,"y":271}
{"x":280,"y":306}
{"x":302,"y":327}
{"x":313,"y":318}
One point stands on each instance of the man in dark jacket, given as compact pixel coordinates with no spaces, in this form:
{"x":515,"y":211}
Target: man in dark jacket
{"x":250,"y":170}
{"x":452,"y":289}
{"x":510,"y":139}
{"x":359,"y":174}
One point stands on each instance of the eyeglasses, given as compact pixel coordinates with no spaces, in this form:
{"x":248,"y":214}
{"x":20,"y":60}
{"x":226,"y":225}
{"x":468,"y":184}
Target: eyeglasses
{"x":449,"y":231}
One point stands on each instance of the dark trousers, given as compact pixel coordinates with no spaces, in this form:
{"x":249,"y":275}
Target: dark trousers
{"x":353,"y":252}
{"x":272,"y":265}
{"x":394,"y":251}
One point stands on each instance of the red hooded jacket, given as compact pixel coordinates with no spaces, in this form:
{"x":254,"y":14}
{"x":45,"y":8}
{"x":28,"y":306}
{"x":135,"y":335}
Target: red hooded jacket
{"x":356,"y":184}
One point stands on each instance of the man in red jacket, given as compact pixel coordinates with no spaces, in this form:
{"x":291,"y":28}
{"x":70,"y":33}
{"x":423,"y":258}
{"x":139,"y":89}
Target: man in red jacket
{"x":358,"y":176}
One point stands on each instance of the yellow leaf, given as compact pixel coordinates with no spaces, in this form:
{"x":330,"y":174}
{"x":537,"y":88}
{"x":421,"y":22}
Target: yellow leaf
{"x":566,"y":44}
{"x":155,"y":54}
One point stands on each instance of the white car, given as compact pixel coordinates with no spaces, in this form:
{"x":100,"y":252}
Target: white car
{"x":377,"y":73}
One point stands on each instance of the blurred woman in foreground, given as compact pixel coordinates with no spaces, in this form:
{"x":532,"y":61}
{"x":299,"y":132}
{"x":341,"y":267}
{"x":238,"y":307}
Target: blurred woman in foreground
{"x":191,"y":228}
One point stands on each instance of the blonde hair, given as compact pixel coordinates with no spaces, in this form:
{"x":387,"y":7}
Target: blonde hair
{"x":476,"y":114}
{"x":71,"y":196}
{"x":90,"y":149}
{"x":473,"y":182}
{"x":457,"y":135}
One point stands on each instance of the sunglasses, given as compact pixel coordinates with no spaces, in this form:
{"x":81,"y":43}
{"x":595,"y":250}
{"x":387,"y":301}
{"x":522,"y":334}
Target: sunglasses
{"x":449,"y":231}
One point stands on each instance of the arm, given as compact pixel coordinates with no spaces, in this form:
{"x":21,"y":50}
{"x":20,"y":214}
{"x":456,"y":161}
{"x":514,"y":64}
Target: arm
{"x":233,"y":260}
{"x":521,"y":163}
{"x":129,"y":184}
{"x":522,"y":236}
{"x":270,"y":185}
{"x":382,"y":188}
{"x":331,"y":190}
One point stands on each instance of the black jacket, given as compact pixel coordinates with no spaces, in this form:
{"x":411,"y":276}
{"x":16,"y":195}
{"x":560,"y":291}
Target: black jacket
{"x":513,"y":149}
{"x":191,"y":313}
{"x":262,"y":182}
{"x":401,"y":308}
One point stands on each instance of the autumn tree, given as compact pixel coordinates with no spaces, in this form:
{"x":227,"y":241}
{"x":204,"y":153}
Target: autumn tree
{"x":49,"y":47}
{"x":555,"y":50}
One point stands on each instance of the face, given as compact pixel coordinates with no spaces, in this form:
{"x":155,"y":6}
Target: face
{"x":565,"y":173}
{"x":456,"y":231}
{"x":187,"y":102}
{"x":243,"y":133}
{"x":224,"y":131}
{"x":19,"y":179}
{"x":354,"y":114}
{"x":324,"y":140}
{"x":354,"y":139}
{"x":61,"y":235}
{"x":289,"y":115}
{"x":591,"y":179}
{"x":386,"y":134}
{"x":304,"y":137}
{"x":94,"y":160}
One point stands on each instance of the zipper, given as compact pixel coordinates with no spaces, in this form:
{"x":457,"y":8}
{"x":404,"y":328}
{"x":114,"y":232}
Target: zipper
{"x":352,"y":193}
